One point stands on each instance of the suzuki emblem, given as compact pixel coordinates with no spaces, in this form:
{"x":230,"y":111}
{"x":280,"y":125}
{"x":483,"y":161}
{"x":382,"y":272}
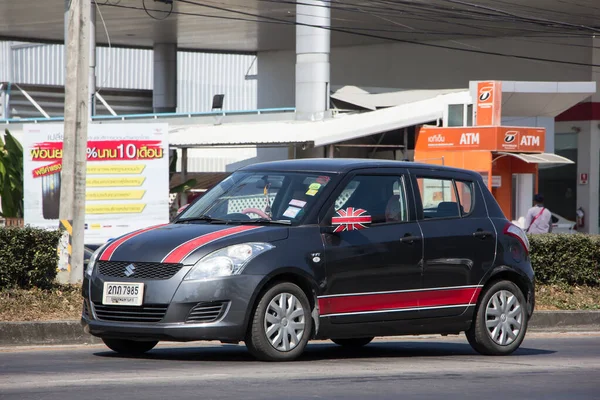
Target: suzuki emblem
{"x":129,"y":270}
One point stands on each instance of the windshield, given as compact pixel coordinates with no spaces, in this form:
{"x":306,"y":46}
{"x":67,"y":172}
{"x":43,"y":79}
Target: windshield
{"x":283,"y":197}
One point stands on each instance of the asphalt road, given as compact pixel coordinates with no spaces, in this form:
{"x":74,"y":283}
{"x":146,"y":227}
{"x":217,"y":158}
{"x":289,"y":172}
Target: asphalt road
{"x":548,"y":366}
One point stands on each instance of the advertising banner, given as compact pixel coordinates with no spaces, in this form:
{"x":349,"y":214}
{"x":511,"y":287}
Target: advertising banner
{"x":127,"y":177}
{"x":502,"y":138}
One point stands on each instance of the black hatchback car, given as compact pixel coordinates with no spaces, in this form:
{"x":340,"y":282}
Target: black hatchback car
{"x":284,"y":252}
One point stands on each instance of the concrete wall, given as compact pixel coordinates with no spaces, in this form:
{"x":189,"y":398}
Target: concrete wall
{"x":588,"y":156}
{"x":405,"y":66}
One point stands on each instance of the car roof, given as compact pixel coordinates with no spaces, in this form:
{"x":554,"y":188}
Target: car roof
{"x":344,"y":165}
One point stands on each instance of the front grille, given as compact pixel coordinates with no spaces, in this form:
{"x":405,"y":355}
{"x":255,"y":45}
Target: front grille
{"x":147,"y":313}
{"x":206,"y":312}
{"x":118,"y":269}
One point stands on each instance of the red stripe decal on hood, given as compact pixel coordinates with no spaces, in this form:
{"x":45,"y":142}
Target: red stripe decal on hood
{"x":111,"y":248}
{"x":180,"y":253}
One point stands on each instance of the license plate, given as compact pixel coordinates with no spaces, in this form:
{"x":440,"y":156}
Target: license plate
{"x":123,"y":294}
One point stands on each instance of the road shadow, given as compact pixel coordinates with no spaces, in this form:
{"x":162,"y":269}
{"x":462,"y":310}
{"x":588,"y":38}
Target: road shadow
{"x":322,"y":352}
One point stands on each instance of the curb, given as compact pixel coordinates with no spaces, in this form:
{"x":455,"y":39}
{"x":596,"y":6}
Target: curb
{"x":71,"y":332}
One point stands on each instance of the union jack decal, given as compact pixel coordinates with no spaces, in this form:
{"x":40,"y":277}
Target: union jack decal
{"x":350,"y":219}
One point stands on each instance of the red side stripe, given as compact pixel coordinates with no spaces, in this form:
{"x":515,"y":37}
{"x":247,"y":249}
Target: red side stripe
{"x":111,"y":248}
{"x":396,"y":301}
{"x":179,"y":253}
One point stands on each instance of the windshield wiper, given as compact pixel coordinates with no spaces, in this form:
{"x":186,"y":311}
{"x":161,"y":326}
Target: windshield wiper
{"x":206,"y":218}
{"x":266,"y":221}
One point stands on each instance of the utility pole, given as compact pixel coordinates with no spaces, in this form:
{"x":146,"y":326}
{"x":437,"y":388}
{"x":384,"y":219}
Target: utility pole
{"x":77,"y":99}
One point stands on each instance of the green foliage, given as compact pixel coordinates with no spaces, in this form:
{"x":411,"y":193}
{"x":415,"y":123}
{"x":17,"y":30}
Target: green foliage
{"x":187,"y":185}
{"x":28,"y":257}
{"x":566,"y":259}
{"x":11,"y":177}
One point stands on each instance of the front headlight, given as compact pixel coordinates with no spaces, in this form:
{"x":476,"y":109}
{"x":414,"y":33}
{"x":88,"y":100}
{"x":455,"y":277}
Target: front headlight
{"x":226,"y":261}
{"x":92,"y":262}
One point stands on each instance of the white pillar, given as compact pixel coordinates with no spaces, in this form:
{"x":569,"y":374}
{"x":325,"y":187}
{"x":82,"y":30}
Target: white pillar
{"x":313,"y":45}
{"x":524,"y":194}
{"x":588,"y":156}
{"x":164,"y":93}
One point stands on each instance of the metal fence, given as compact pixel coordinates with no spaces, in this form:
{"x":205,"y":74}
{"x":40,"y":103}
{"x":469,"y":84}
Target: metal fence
{"x":200,"y":75}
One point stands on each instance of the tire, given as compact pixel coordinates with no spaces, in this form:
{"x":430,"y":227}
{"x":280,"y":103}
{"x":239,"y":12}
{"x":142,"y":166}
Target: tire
{"x":353,"y":343}
{"x":497,"y":339}
{"x":129,"y":347}
{"x":268,"y":326}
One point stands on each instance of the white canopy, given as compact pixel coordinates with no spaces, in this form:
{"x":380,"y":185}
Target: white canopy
{"x":338,"y":129}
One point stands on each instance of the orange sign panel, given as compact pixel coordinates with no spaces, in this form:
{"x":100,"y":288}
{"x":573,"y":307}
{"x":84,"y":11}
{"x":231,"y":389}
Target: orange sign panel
{"x":463,"y":138}
{"x":521,"y":139}
{"x":488,"y":110}
{"x":509,"y":139}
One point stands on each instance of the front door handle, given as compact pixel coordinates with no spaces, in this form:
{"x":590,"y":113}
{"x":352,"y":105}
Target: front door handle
{"x":482,"y":234}
{"x":409,"y":239}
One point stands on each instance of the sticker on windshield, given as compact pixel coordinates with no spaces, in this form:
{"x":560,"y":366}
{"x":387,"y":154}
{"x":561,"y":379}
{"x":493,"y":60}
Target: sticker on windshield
{"x":311,"y":192}
{"x":323,"y":180}
{"x":315,"y":186}
{"x":291,"y":212}
{"x":350,"y":219}
{"x":297,"y":203}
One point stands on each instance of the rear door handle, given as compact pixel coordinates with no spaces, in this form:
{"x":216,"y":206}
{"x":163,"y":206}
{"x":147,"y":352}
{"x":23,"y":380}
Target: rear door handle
{"x":482,"y":234}
{"x":409,"y":239}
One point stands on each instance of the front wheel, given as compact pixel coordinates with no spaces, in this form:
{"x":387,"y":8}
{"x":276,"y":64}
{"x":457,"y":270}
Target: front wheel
{"x":281,"y":325}
{"x":500,"y":320}
{"x":129,"y":347}
{"x":353,"y":343}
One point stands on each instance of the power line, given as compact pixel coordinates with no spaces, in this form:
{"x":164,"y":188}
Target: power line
{"x":374,"y":36}
{"x":256,"y":18}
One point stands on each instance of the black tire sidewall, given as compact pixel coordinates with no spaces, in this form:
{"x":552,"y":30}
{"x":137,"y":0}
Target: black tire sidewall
{"x":257,"y":341}
{"x":480,"y":338}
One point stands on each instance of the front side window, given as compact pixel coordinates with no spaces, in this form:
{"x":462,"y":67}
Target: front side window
{"x":445,"y":198}
{"x":368,"y":200}
{"x":277,"y":196}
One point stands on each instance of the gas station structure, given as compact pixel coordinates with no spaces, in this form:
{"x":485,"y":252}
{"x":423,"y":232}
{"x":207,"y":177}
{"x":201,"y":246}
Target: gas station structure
{"x":513,"y":98}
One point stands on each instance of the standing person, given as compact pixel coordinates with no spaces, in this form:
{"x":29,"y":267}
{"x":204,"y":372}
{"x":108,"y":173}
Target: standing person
{"x":539,"y":218}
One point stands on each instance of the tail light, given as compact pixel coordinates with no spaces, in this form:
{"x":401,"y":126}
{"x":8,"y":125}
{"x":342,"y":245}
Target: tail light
{"x":513,"y":230}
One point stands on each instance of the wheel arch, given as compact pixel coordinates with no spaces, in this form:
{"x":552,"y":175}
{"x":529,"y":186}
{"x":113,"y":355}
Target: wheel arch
{"x":293,"y":275}
{"x":505,"y":273}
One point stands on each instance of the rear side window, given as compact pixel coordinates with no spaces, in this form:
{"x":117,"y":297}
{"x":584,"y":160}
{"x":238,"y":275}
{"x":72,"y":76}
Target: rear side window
{"x":465,"y":196}
{"x":445,"y":198}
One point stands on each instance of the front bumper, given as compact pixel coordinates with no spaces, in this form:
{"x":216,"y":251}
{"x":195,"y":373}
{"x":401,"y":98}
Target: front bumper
{"x":174,"y":310}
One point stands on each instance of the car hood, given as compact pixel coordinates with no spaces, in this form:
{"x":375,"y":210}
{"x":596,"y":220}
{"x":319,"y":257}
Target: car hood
{"x":185,"y":243}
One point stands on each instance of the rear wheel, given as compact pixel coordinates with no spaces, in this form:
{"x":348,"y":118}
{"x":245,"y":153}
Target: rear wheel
{"x":353,"y":343}
{"x":129,"y":347}
{"x":281,"y":325}
{"x":500,"y":320}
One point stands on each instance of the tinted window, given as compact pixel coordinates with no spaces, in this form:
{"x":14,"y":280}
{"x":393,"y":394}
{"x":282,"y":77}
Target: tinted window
{"x":438,"y":197}
{"x":382,"y":197}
